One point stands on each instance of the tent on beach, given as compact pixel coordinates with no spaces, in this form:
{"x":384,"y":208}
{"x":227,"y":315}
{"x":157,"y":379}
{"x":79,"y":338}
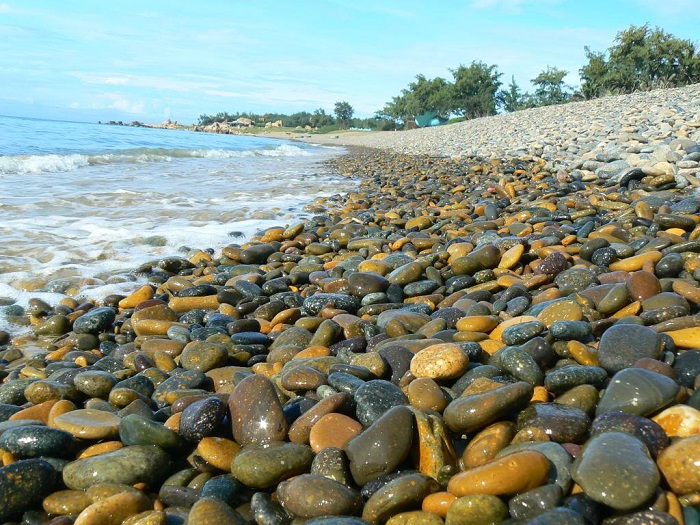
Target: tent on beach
{"x":429,"y":118}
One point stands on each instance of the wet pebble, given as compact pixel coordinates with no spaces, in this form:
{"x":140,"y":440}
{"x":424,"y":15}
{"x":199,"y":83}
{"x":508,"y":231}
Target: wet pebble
{"x":616,"y":469}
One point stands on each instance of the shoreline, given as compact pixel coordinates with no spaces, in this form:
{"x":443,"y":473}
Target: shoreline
{"x":477,"y":330}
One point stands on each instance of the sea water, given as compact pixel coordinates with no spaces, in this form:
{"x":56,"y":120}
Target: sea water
{"x":84,"y":204}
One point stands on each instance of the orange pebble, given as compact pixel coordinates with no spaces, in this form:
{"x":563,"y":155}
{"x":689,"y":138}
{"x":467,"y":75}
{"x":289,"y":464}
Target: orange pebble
{"x":438,"y":503}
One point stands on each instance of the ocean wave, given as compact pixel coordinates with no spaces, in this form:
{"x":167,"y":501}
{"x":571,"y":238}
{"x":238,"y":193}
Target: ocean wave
{"x":54,"y":163}
{"x":42,"y":163}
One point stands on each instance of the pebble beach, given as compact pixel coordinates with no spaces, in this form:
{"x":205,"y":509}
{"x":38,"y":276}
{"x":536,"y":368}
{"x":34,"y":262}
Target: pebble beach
{"x":500,"y":324}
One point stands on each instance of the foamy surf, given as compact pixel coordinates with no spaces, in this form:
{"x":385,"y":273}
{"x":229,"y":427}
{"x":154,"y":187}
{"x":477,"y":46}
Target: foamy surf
{"x":52,"y":163}
{"x":83,"y":206}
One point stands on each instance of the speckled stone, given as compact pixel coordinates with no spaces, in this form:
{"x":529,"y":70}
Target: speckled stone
{"x":646,"y":430}
{"x":562,"y":423}
{"x":128,"y":465}
{"x":256,"y":413}
{"x":473,"y":412}
{"x":567,"y":377}
{"x":202,"y":418}
{"x":94,"y":321}
{"x":23,"y":484}
{"x":403,"y":493}
{"x":262,"y":466}
{"x":33,"y":441}
{"x":311,"y":495}
{"x":382,"y":447}
{"x":521,"y":365}
{"x":440,"y":362}
{"x":687,"y":367}
{"x":374,"y":398}
{"x":616,"y":469}
{"x":638,"y":391}
{"x":679,"y":465}
{"x":621,"y":345}
{"x":477,"y":509}
{"x":317,"y":302}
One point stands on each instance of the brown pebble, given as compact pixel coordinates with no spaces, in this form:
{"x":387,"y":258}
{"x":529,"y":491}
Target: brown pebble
{"x":66,"y":502}
{"x":438,"y":503}
{"x":486,"y":444}
{"x":642,"y":285}
{"x":679,"y":421}
{"x":440,"y":361}
{"x":679,"y":465}
{"x":425,"y":394}
{"x":512,"y":474}
{"x":333,"y":430}
{"x":218,"y":451}
{"x":301,"y":428}
{"x":115,"y":509}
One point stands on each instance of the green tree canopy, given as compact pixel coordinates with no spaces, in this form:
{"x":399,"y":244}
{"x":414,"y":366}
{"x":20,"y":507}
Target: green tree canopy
{"x":640,"y":59}
{"x":475,"y":88}
{"x":511,"y":99}
{"x":343,"y":113}
{"x":421,"y":96}
{"x":550,"y":88}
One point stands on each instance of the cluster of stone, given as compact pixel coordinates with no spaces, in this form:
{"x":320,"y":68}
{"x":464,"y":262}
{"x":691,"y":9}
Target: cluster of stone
{"x":460,"y":341}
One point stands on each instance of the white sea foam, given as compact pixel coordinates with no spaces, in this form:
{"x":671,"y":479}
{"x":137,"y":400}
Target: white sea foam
{"x":81,"y":224}
{"x":24,"y":164}
{"x":53,"y":163}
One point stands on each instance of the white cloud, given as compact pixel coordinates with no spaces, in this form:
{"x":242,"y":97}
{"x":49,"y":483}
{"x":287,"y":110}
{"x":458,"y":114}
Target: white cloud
{"x":222,"y":93}
{"x":144,"y":81}
{"x":5,"y":8}
{"x":112,"y":101}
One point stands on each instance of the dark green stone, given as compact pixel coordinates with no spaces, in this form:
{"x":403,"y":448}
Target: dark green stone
{"x":94,"y":321}
{"x":623,"y":344}
{"x":521,"y":365}
{"x":616,"y":469}
{"x":520,"y":333}
{"x":375,"y":398}
{"x":33,"y":441}
{"x":562,"y":423}
{"x":534,"y":502}
{"x":23,"y":485}
{"x":563,"y":379}
{"x":638,"y":391}
{"x":382,"y":447}
{"x":129,"y":465}
{"x":138,"y":430}
{"x":317,"y":302}
{"x":263,"y":466}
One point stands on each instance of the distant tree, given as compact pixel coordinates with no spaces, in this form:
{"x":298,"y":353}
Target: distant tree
{"x":419,"y":97}
{"x":640,"y":59}
{"x":475,"y":88}
{"x":550,"y":88}
{"x":593,"y":74}
{"x":320,"y":118}
{"x":510,"y":99}
{"x":343,"y":113}
{"x":395,"y":109}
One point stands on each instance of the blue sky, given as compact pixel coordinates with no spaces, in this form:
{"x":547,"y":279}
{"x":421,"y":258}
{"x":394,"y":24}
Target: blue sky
{"x":154,"y":59}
